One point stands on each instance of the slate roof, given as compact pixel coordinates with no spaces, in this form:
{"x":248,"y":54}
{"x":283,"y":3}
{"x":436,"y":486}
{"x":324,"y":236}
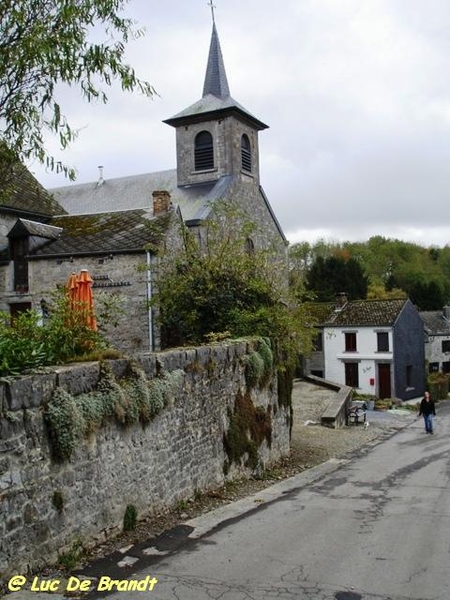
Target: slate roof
{"x":367,"y":313}
{"x":216,"y":98}
{"x":24,"y":226}
{"x":106,"y":233}
{"x":216,"y":82}
{"x":135,"y":191}
{"x":26,"y":195}
{"x":435,"y":323}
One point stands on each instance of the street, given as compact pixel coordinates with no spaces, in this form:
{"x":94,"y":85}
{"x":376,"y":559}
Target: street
{"x":374,"y":527}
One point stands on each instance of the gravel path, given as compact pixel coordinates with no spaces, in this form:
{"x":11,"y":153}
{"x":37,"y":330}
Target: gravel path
{"x":314,"y":444}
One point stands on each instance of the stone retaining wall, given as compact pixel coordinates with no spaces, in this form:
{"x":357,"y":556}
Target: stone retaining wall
{"x":45,"y":505}
{"x":335,"y":414}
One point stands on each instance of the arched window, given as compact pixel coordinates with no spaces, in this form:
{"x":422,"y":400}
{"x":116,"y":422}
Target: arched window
{"x":204,"y":151}
{"x":246,"y":153}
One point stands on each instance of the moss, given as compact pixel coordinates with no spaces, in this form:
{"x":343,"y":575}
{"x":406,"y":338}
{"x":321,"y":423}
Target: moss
{"x":285,"y":376}
{"x":266,"y":355}
{"x":58,"y":500}
{"x":194,"y":367}
{"x":254,"y":369}
{"x":248,"y":427}
{"x":65,"y":423}
{"x":211,"y":367}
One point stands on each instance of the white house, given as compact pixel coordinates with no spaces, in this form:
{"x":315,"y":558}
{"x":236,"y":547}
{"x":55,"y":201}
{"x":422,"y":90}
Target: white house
{"x":376,"y":347}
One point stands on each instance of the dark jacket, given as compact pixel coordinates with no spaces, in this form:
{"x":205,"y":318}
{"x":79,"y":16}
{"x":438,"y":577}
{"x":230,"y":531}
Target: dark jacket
{"x":427,"y":408}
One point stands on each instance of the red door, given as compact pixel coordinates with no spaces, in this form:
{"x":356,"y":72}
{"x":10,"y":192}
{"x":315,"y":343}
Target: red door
{"x":384,"y":380}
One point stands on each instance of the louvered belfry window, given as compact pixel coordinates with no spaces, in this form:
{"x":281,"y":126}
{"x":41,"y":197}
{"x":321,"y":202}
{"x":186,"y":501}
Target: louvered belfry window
{"x":204,"y":151}
{"x":246,"y":153}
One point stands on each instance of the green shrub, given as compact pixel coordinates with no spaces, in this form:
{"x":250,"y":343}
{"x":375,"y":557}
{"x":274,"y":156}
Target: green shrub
{"x":130,"y":518}
{"x":70,"y":559}
{"x":438,"y":386}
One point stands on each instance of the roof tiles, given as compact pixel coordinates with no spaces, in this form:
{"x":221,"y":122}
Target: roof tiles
{"x":373,"y":313}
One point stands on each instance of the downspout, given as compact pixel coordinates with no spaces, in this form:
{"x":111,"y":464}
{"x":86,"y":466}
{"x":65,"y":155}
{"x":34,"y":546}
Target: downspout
{"x":149,"y":297}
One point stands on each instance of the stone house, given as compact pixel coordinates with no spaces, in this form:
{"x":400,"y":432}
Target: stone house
{"x":106,"y":225}
{"x":437,"y":339}
{"x":25,"y":206}
{"x":374,"y":346}
{"x":116,"y":247}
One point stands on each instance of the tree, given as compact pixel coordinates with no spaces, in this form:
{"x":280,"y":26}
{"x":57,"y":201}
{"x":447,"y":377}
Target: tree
{"x":225,"y":288}
{"x":47,"y":42}
{"x":329,"y":276}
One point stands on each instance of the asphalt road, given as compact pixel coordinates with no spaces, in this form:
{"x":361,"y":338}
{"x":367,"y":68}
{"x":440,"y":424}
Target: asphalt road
{"x":376,"y":527}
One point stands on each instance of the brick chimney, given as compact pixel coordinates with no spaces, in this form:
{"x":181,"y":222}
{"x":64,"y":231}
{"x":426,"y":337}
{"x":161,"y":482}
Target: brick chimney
{"x":161,"y":202}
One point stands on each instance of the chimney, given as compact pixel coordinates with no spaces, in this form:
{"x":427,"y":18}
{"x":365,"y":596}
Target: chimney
{"x":446,"y":313}
{"x":100,"y":181}
{"x":161,"y":202}
{"x":341,"y":300}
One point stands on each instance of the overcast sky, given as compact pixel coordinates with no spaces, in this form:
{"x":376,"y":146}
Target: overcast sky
{"x":356,"y":94}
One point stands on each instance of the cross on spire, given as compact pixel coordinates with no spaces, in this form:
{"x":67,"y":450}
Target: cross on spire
{"x":212,"y":6}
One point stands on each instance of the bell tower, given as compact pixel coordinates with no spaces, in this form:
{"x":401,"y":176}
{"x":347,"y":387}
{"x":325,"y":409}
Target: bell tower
{"x":216,"y":136}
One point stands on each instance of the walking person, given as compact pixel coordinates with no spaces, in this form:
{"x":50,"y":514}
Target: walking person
{"x":428,"y":410}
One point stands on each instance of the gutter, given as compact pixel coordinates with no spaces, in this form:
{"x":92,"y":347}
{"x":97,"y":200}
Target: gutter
{"x":151,"y":342}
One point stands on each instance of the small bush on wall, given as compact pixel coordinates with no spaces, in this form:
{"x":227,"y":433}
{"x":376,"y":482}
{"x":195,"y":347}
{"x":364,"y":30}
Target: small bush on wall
{"x":72,"y":418}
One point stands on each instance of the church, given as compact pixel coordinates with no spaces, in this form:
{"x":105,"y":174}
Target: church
{"x":112,"y":226}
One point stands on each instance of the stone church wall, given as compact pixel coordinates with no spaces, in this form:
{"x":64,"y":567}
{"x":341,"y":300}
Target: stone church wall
{"x":46,"y":505}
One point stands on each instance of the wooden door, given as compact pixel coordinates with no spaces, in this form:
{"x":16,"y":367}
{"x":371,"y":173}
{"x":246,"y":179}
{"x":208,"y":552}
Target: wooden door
{"x":384,"y":380}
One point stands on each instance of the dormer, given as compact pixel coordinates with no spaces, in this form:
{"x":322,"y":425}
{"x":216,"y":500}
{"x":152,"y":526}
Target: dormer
{"x":24,"y":238}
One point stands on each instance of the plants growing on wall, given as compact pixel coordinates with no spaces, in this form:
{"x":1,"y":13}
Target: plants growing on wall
{"x":248,"y":427}
{"x":259,"y":365}
{"x":64,"y":336}
{"x":133,"y":399}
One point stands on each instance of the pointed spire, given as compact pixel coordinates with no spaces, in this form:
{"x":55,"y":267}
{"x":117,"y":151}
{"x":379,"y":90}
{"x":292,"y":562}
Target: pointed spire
{"x":216,"y":79}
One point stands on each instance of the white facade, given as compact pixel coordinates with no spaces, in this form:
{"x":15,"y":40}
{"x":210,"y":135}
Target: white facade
{"x":366,"y":356}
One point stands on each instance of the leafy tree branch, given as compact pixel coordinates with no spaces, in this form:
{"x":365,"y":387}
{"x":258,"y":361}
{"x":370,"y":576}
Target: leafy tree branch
{"x":47,"y":42}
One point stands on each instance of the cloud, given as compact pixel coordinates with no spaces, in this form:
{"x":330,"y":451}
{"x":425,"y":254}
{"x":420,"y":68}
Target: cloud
{"x":356,"y":94}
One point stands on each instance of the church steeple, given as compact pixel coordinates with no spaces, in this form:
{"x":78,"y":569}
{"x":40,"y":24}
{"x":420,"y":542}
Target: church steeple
{"x":216,"y":78}
{"x":216,"y":136}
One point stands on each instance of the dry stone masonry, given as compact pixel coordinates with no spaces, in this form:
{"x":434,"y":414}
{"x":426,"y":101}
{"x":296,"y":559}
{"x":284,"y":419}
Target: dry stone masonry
{"x":46,"y":504}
